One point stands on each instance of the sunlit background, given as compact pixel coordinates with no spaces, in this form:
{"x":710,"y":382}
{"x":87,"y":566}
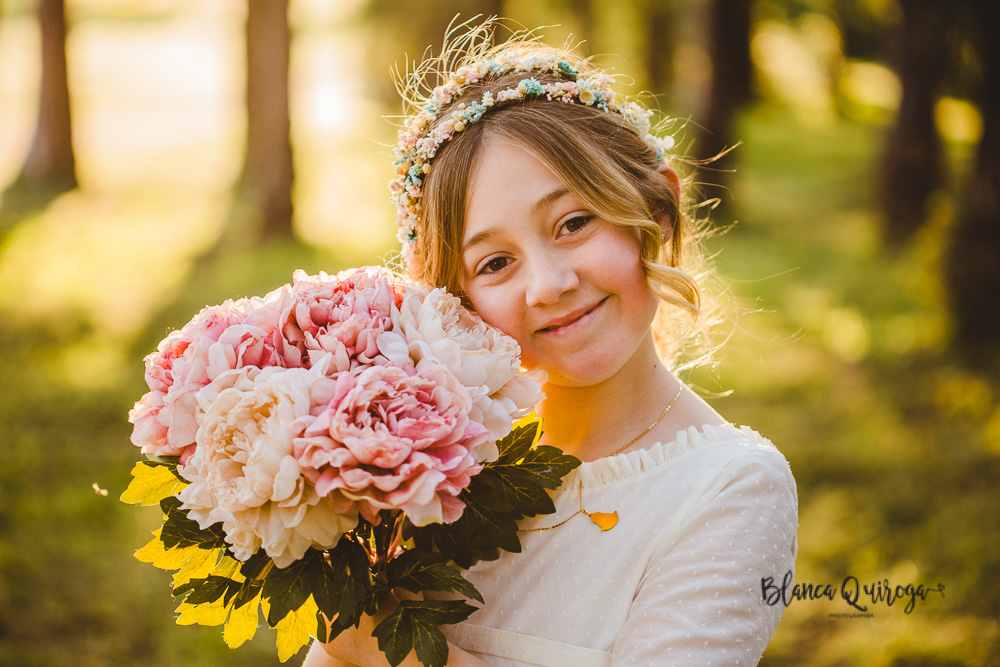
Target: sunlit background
{"x":863,"y":283}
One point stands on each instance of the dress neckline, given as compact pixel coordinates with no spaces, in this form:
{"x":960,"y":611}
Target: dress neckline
{"x":611,"y":469}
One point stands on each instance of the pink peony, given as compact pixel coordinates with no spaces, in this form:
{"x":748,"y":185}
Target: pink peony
{"x":395,"y":438}
{"x":436,"y":328}
{"x":243,"y":472}
{"x":341,"y":315}
{"x":218,"y":340}
{"x":164,"y":419}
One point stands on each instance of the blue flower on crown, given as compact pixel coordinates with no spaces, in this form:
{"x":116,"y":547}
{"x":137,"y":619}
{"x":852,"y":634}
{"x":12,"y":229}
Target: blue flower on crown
{"x":475,"y":112}
{"x":532,"y":86}
{"x":564,"y":67}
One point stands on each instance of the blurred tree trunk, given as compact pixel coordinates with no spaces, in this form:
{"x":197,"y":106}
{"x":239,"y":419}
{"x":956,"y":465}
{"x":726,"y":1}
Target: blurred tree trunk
{"x":973,"y":260}
{"x":661,"y":17}
{"x":731,"y":85}
{"x":267,"y":171}
{"x":50,"y":164}
{"x":862,"y":29}
{"x":911,"y":168}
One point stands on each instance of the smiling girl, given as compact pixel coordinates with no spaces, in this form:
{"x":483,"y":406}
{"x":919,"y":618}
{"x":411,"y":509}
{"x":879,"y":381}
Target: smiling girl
{"x":530,"y":188}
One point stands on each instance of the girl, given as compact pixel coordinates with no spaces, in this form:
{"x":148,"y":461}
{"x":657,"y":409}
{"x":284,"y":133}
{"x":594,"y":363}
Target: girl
{"x":529,"y":188}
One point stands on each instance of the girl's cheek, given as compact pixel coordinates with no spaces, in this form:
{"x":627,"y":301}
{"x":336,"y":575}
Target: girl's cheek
{"x":491,"y":310}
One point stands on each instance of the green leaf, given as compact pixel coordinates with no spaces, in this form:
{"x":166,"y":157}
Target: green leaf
{"x":438,"y":612}
{"x":488,"y":489}
{"x":207,"y":590}
{"x":479,"y":529}
{"x":248,"y":591}
{"x":255,"y":564}
{"x":549,"y":465}
{"x":457,"y":542}
{"x":417,"y":571}
{"x":376,"y":597}
{"x":395,"y":636}
{"x":514,"y":486}
{"x":180,"y":531}
{"x":287,"y":589}
{"x":517,"y":443}
{"x":430,"y":645}
{"x":414,"y":624}
{"x":336,"y":627}
{"x":342,"y":581}
{"x":523,"y":492}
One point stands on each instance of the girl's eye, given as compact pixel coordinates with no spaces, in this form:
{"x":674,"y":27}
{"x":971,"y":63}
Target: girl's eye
{"x":577,"y":223}
{"x":494,"y":265}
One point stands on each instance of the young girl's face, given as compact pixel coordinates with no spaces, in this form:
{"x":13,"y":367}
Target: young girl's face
{"x":567,"y":285}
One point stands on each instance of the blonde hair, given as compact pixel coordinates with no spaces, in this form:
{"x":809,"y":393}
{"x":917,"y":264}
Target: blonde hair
{"x":602,"y":161}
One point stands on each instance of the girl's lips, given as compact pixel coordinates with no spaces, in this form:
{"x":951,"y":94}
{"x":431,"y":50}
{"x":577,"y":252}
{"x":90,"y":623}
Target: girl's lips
{"x":573,"y":324}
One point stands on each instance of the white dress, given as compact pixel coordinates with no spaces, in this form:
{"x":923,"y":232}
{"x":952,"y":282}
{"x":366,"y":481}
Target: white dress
{"x":677,"y":582}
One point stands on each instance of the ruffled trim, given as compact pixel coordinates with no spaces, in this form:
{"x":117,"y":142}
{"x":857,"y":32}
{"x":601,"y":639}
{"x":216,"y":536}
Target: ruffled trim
{"x":629,"y":465}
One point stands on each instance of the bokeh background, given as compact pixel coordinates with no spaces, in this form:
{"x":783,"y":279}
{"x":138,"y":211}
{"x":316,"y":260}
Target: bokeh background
{"x":160,"y":155}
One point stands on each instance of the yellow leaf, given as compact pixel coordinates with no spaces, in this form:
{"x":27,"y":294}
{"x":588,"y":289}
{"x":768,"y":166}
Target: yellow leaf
{"x":199,"y":565}
{"x":213,"y":613}
{"x":228,"y":567}
{"x":295,"y":630}
{"x":242,"y":623}
{"x":159,"y":556}
{"x":150,"y":484}
{"x":604,"y":520}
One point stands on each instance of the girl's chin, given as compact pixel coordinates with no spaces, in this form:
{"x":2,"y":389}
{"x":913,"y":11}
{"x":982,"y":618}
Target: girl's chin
{"x":586,"y":376}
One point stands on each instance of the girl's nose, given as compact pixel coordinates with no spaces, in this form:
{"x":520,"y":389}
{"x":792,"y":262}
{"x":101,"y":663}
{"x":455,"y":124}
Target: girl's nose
{"x":549,"y":280}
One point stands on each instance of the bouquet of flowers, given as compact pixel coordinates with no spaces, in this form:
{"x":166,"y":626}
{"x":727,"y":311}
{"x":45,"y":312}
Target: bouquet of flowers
{"x":341,"y":437}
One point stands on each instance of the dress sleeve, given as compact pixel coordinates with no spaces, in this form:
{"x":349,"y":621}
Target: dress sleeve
{"x":699,"y":601}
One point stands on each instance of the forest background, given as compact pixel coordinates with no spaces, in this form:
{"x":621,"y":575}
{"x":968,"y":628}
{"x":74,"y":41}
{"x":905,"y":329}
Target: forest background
{"x":160,"y":155}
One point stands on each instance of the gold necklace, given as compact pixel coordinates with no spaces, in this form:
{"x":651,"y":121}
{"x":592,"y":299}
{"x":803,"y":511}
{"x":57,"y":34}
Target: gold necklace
{"x":663,"y":414}
{"x":603,"y":519}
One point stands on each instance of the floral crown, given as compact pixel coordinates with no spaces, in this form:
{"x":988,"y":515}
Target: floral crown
{"x":418,"y":144}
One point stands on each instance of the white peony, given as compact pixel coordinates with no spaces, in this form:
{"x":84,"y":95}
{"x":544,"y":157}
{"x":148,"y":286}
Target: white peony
{"x":243,"y":472}
{"x":437,"y":328}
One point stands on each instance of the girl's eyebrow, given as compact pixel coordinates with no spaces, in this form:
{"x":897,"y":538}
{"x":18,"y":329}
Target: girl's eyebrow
{"x":542,"y":203}
{"x":549,"y":199}
{"x":481,"y":237}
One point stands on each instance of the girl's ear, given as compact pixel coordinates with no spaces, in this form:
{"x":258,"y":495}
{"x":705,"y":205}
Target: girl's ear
{"x":674,"y":181}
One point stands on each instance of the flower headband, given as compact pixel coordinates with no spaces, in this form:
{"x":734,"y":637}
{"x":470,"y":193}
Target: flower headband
{"x":416,"y":147}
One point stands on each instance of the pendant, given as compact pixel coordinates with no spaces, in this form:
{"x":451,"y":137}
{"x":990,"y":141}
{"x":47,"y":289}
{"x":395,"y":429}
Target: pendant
{"x":604,"y":520}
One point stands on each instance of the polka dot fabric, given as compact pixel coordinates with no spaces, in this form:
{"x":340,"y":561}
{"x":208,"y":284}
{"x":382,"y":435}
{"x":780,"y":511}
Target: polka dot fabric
{"x":677,"y":582}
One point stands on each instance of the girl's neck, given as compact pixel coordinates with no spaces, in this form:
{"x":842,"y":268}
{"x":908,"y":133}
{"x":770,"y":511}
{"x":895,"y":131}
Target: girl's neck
{"x":593,"y":421}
